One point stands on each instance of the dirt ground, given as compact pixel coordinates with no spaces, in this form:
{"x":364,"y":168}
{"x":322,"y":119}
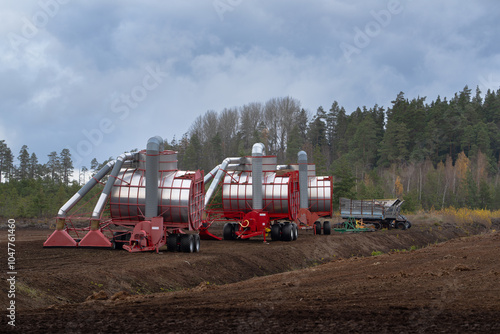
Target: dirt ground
{"x":449,"y":282}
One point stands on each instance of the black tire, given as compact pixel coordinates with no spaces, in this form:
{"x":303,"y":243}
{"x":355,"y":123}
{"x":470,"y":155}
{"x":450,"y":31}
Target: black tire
{"x":228,"y":232}
{"x":317,"y":228}
{"x":295,"y":230}
{"x":391,"y":225}
{"x":327,"y":228}
{"x":377,"y":225}
{"x":236,"y":227}
{"x":187,"y":243}
{"x":115,"y":243}
{"x":276,"y":232}
{"x":287,"y":232}
{"x":196,"y":238}
{"x":172,"y":241}
{"x":401,"y":225}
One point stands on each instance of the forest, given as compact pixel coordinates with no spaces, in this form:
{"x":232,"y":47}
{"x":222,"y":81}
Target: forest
{"x":433,"y":154}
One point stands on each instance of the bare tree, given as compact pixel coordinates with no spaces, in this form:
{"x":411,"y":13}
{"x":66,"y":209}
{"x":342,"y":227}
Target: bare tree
{"x":250,"y":117}
{"x":279,"y":117}
{"x":228,"y":129}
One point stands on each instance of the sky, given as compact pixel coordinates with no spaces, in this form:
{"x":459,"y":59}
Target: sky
{"x":101,"y":77}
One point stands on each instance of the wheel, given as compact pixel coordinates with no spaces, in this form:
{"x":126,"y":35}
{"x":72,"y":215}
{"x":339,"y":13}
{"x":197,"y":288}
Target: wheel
{"x":295,"y":231}
{"x":236,"y":227}
{"x":377,"y":225}
{"x":172,"y":243}
{"x":401,"y":226}
{"x":317,"y":227}
{"x":115,"y":243}
{"x":391,"y":225}
{"x":228,"y":232}
{"x":327,"y":228}
{"x":287,"y":232}
{"x":196,"y":238}
{"x":187,"y":243}
{"x":276,"y":232}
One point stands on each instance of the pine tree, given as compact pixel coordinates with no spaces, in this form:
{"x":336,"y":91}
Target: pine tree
{"x":344,"y":181}
{"x":94,"y":166}
{"x":34,"y":167}
{"x":394,"y":146}
{"x":294,"y":145}
{"x":317,"y":129}
{"x":66,"y":166}
{"x":192,"y":156}
{"x":6,"y":161}
{"x":24,"y":161}
{"x":54,"y":167}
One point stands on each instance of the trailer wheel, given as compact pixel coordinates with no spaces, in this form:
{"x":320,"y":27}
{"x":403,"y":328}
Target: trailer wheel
{"x":236,"y":227}
{"x":401,"y":226}
{"x":172,"y":243}
{"x":276,"y":232}
{"x":287,"y":232}
{"x":317,"y":227}
{"x":228,"y":232}
{"x":114,"y":243}
{"x":327,"y":228}
{"x":187,"y":243}
{"x":377,"y":225}
{"x":196,"y":238}
{"x":295,"y":231}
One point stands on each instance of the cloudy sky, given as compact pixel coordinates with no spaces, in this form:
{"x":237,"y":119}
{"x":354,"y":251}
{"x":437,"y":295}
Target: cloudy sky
{"x":101,"y":77}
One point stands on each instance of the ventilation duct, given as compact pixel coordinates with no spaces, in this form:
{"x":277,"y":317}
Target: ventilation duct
{"x":304,"y":198}
{"x":153,"y":148}
{"x":257,"y":154}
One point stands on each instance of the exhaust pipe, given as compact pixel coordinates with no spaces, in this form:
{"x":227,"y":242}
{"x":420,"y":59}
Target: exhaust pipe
{"x":303,"y":180}
{"x":155,"y":145}
{"x":257,"y":154}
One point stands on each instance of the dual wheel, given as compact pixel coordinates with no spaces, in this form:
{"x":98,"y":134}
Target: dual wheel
{"x":284,"y":232}
{"x":186,"y":243}
{"x":327,"y":228}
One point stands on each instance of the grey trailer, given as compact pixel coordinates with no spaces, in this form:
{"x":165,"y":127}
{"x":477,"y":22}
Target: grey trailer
{"x":382,"y":213}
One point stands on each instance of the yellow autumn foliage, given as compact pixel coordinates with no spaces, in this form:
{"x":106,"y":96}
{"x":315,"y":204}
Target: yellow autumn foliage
{"x":468,"y":216}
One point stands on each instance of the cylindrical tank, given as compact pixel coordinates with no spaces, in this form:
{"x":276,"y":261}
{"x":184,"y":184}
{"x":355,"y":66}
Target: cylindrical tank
{"x":180,"y":193}
{"x":320,"y":194}
{"x":280,"y":193}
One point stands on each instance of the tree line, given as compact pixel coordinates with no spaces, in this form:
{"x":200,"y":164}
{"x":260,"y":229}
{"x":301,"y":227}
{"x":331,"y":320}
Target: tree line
{"x":32,"y":189}
{"x":432,"y":154}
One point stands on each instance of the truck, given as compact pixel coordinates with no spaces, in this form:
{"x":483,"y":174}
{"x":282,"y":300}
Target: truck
{"x":382,"y":213}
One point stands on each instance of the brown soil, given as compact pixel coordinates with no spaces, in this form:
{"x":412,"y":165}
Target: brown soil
{"x":315,"y":284}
